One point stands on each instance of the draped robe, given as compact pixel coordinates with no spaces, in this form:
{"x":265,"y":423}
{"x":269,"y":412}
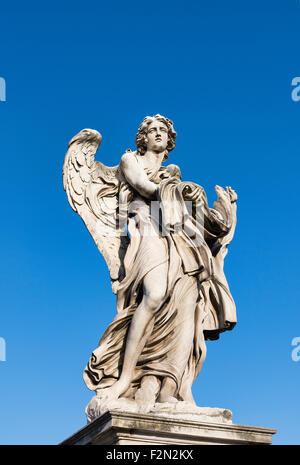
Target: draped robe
{"x":197,"y":305}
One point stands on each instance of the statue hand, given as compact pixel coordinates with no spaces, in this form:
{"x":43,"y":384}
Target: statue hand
{"x":232,"y":194}
{"x":192,"y":192}
{"x":226,"y":195}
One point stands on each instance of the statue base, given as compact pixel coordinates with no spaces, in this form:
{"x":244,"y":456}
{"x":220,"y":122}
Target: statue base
{"x":115,"y":427}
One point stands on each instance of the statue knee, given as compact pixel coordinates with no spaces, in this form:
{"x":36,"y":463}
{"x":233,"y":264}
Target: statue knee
{"x":155,"y":299}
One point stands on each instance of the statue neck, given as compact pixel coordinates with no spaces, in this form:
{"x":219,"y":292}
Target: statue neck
{"x":154,"y":158}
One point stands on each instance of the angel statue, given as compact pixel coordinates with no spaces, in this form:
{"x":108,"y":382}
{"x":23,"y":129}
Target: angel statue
{"x":165,"y":250}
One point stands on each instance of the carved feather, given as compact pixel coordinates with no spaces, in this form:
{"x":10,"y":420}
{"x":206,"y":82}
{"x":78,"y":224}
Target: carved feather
{"x":92,"y":189}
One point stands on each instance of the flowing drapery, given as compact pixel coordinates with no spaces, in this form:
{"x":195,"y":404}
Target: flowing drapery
{"x":197,"y":304}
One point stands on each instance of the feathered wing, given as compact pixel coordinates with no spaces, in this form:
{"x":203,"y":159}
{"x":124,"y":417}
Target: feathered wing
{"x":92,"y":189}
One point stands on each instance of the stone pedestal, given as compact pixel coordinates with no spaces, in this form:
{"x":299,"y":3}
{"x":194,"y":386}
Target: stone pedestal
{"x":123,"y":428}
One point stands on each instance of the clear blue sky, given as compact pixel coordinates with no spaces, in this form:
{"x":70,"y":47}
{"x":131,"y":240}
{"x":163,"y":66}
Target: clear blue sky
{"x":222,"y":72}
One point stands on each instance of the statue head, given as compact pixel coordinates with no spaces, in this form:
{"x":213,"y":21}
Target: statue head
{"x":156,"y":133}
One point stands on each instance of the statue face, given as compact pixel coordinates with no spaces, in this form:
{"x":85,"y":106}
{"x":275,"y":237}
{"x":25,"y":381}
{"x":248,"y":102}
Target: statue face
{"x":157,"y":136}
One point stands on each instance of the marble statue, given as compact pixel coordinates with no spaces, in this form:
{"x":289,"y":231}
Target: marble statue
{"x":165,"y":251}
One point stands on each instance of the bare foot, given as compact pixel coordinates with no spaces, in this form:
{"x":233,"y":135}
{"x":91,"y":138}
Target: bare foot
{"x":167,"y":391}
{"x":147,"y":393}
{"x":113,"y":392}
{"x":166,"y":398}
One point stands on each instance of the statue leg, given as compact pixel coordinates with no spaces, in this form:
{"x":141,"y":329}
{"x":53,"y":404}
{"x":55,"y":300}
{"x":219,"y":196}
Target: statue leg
{"x":147,"y":393}
{"x":199,"y":349}
{"x":167,"y":393}
{"x":154,"y":284}
{"x":184,"y":328}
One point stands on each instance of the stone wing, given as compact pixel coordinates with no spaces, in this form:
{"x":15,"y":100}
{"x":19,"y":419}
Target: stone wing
{"x":92,"y":189}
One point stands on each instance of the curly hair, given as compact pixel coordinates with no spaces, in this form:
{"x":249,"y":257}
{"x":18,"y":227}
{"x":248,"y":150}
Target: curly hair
{"x":140,"y":139}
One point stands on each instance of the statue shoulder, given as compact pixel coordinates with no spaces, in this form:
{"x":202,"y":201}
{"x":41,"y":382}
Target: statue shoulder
{"x":128,"y":156}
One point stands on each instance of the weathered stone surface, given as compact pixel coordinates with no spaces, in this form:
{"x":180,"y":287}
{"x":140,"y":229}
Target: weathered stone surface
{"x":180,"y":410}
{"x":124,"y":428}
{"x":165,"y":249}
{"x":191,"y":412}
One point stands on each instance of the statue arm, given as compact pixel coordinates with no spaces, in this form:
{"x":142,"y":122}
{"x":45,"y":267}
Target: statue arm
{"x":136,"y":176}
{"x":220,"y":219}
{"x":223,"y":217}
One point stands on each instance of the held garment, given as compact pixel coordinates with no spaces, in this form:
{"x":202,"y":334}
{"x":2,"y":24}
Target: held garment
{"x":197,"y":304}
